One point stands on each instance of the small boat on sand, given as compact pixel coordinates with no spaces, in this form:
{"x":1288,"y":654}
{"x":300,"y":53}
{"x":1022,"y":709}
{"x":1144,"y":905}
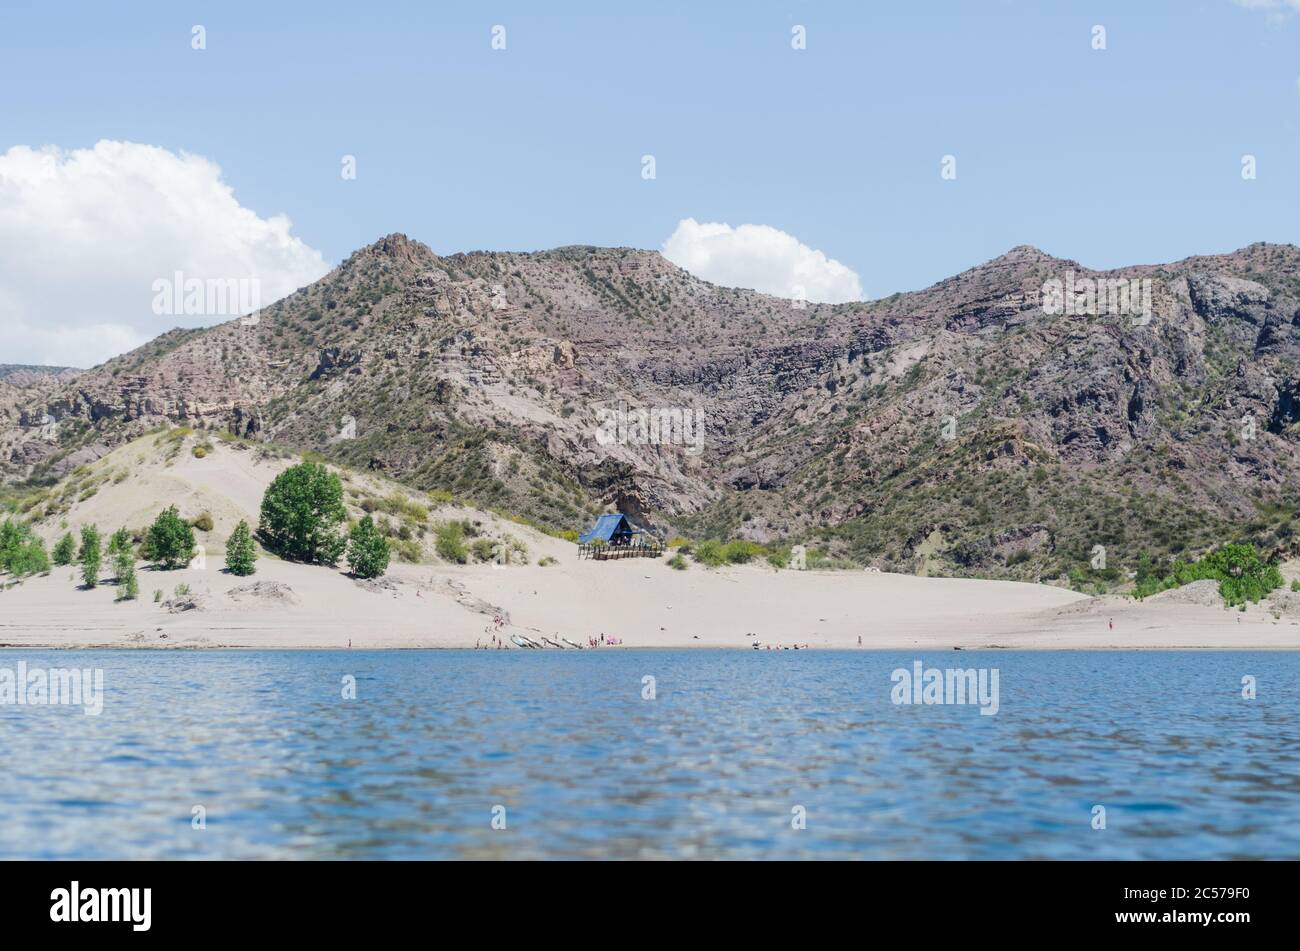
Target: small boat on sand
{"x":576,"y":647}
{"x":520,"y":641}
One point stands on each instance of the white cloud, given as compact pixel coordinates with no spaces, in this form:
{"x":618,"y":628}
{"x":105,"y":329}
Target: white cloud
{"x":85,"y":233}
{"x":762,"y":258}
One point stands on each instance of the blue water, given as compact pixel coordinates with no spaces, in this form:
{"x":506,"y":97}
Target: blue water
{"x":714,"y":766}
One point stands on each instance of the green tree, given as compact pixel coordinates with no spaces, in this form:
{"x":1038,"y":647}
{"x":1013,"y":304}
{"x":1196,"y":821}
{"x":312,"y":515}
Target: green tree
{"x":241,"y":553}
{"x":368,"y":550}
{"x":89,"y":556}
{"x":21,"y":552}
{"x":118,"y":542}
{"x":65,"y":552}
{"x":13,"y":535}
{"x":301,"y":512}
{"x":170,"y":540}
{"x":122,"y":553}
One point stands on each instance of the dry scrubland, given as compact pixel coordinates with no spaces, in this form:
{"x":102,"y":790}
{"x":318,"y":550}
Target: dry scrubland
{"x":430,"y":602}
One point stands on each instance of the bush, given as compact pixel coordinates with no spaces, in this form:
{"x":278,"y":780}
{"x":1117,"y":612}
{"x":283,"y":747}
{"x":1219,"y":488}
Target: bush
{"x":21,"y":552}
{"x":678,"y":562}
{"x":203,"y":523}
{"x":65,"y":552}
{"x":449,"y":543}
{"x":742,"y":552}
{"x":89,"y":555}
{"x":408,"y":551}
{"x":710,"y":553}
{"x":368,"y":551}
{"x":714,"y":553}
{"x":301,"y":512}
{"x":546,"y":561}
{"x":241,"y":553}
{"x":483,"y":549}
{"x":169,"y":542}
{"x":1242,"y":575}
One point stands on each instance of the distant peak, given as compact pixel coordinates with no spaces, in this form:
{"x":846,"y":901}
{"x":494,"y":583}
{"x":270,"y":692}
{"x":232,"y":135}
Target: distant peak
{"x":1025,"y":254}
{"x":397,"y":247}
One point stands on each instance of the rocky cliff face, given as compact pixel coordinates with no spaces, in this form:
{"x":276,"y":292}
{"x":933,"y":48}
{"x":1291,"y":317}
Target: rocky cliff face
{"x":1012,"y":420}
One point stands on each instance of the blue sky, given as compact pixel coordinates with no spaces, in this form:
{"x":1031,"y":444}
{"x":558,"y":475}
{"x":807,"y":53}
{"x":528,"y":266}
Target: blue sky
{"x":1122,"y":156}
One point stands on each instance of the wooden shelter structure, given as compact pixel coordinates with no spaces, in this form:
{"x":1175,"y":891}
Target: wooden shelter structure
{"x":614,"y":536}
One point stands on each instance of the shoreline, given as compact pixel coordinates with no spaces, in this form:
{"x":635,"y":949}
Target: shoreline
{"x":647,"y":606}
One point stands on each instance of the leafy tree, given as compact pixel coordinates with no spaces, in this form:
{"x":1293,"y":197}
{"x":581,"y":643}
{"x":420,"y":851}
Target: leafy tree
{"x":170,"y":540}
{"x":89,"y":556}
{"x":65,"y":552}
{"x":241,"y":553}
{"x":301,"y":512}
{"x":368,"y":551}
{"x":21,"y":552}
{"x":118,"y":542}
{"x":12,"y":536}
{"x":122,"y":553}
{"x":1242,"y":574}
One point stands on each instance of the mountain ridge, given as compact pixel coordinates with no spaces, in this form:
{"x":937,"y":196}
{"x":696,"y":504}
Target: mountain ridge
{"x":487,"y":374}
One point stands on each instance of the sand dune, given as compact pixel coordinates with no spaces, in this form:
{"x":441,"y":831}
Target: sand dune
{"x":642,"y":602}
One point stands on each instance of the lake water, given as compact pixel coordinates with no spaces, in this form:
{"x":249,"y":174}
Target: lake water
{"x":719,"y":763}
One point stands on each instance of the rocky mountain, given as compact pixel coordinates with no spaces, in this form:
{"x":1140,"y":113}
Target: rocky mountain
{"x":1027,"y":418}
{"x":20,"y":374}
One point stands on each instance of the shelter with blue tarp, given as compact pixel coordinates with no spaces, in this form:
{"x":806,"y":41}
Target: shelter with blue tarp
{"x":608,"y":528}
{"x":613,"y":536}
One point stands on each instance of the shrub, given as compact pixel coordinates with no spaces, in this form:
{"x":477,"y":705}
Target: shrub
{"x":742,"y":552}
{"x":169,"y":541}
{"x":89,"y":555}
{"x":483,"y":549}
{"x":301,"y":512}
{"x":157,"y":595}
{"x":241,"y":553}
{"x":408,"y":551}
{"x":15,"y":537}
{"x":1242,"y":575}
{"x":678,"y":562}
{"x":180,"y":590}
{"x":710,"y":553}
{"x":449,"y":543}
{"x":779,"y":558}
{"x":546,"y":561}
{"x":21,"y":552}
{"x":65,"y":552}
{"x":368,"y":551}
{"x":203,"y":523}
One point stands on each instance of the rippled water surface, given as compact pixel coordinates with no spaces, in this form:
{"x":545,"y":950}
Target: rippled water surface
{"x":713,"y":766}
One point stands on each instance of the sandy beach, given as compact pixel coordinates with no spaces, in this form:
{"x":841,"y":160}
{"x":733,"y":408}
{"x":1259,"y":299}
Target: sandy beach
{"x":641,"y":602}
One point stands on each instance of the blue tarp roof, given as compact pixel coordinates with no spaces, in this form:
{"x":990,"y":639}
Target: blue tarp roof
{"x":605,"y":528}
